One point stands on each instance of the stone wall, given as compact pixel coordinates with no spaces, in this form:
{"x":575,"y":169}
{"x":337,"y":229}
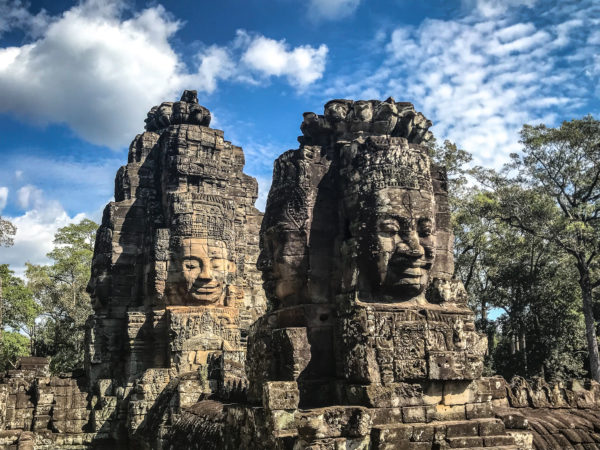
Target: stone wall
{"x":42,"y":411}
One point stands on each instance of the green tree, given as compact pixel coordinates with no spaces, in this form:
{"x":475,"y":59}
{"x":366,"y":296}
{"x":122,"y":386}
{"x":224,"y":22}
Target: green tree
{"x":14,"y":345}
{"x":18,"y":320}
{"x":60,"y":290}
{"x":20,"y":308}
{"x":552,"y":191}
{"x":504,"y":268}
{"x":455,"y":161}
{"x":531,"y":280}
{"x":7,"y":233}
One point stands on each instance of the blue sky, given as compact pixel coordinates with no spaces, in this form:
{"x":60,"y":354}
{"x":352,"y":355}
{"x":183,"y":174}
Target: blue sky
{"x":77,"y":78}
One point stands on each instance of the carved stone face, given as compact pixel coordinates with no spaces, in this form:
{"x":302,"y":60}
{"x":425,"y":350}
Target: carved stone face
{"x":397,"y":245}
{"x":363,"y":111}
{"x":99,"y":286}
{"x":336,"y":110}
{"x":385,"y":117}
{"x":205,"y":270}
{"x":282,"y":260}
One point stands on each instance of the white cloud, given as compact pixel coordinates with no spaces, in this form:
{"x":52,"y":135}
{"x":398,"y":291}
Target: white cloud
{"x":481,"y":78}
{"x":253,"y":58}
{"x":302,"y":65}
{"x":215,"y":64}
{"x":264,"y":184}
{"x":3,"y":197}
{"x":491,"y":8}
{"x":81,"y":185}
{"x":14,"y":14}
{"x":93,"y":71}
{"x":331,"y":9}
{"x":35,"y":230}
{"x":28,"y":196}
{"x":99,"y":72}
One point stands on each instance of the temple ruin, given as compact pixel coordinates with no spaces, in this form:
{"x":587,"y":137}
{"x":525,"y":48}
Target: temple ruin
{"x":333,"y":322}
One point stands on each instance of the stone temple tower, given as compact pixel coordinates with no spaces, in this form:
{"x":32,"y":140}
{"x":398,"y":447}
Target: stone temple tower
{"x":174,"y":281}
{"x":357,"y":261}
{"x":356,"y":254}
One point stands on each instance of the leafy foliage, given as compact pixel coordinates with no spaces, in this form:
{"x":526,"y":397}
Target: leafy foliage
{"x":7,"y":232}
{"x":505,"y":268}
{"x":19,"y":311}
{"x":552,"y":192}
{"x":60,"y":290}
{"x":19,"y":306}
{"x":13,"y":345}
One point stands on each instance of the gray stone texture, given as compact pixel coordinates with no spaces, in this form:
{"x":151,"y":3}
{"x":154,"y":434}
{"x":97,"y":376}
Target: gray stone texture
{"x":356,"y":255}
{"x":174,"y":281}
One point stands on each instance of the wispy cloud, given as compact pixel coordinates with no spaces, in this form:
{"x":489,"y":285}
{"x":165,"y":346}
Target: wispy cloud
{"x":29,"y":196}
{"x":3,"y":197}
{"x":264,"y":185}
{"x":331,"y":9}
{"x":35,"y":229}
{"x":481,"y":77}
{"x":14,"y":14}
{"x":81,"y":185}
{"x":491,"y":8}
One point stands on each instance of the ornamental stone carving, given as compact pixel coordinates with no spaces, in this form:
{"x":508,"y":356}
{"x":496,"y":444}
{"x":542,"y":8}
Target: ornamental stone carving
{"x":356,"y":255}
{"x":174,"y":281}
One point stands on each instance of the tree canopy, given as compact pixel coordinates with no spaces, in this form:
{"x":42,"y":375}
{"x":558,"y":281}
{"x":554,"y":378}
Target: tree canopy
{"x":552,"y":191}
{"x":511,"y":263}
{"x":7,"y":233}
{"x":59,"y":288}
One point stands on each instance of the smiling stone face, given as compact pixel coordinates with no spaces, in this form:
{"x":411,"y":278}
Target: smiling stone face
{"x":397,"y":245}
{"x":282,"y":261}
{"x":202,"y":271}
{"x":390,"y":210}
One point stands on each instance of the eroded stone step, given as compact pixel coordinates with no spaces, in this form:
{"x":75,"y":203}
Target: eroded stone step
{"x":497,"y":441}
{"x":502,"y":447}
{"x":478,"y":433}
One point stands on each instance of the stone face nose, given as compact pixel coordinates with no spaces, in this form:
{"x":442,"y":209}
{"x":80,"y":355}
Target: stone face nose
{"x":264,"y":262}
{"x":409,"y":245}
{"x":205,"y":270}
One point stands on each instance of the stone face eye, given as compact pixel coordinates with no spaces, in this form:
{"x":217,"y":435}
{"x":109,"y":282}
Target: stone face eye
{"x":396,"y":225}
{"x":191,"y":264}
{"x":389,"y":226}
